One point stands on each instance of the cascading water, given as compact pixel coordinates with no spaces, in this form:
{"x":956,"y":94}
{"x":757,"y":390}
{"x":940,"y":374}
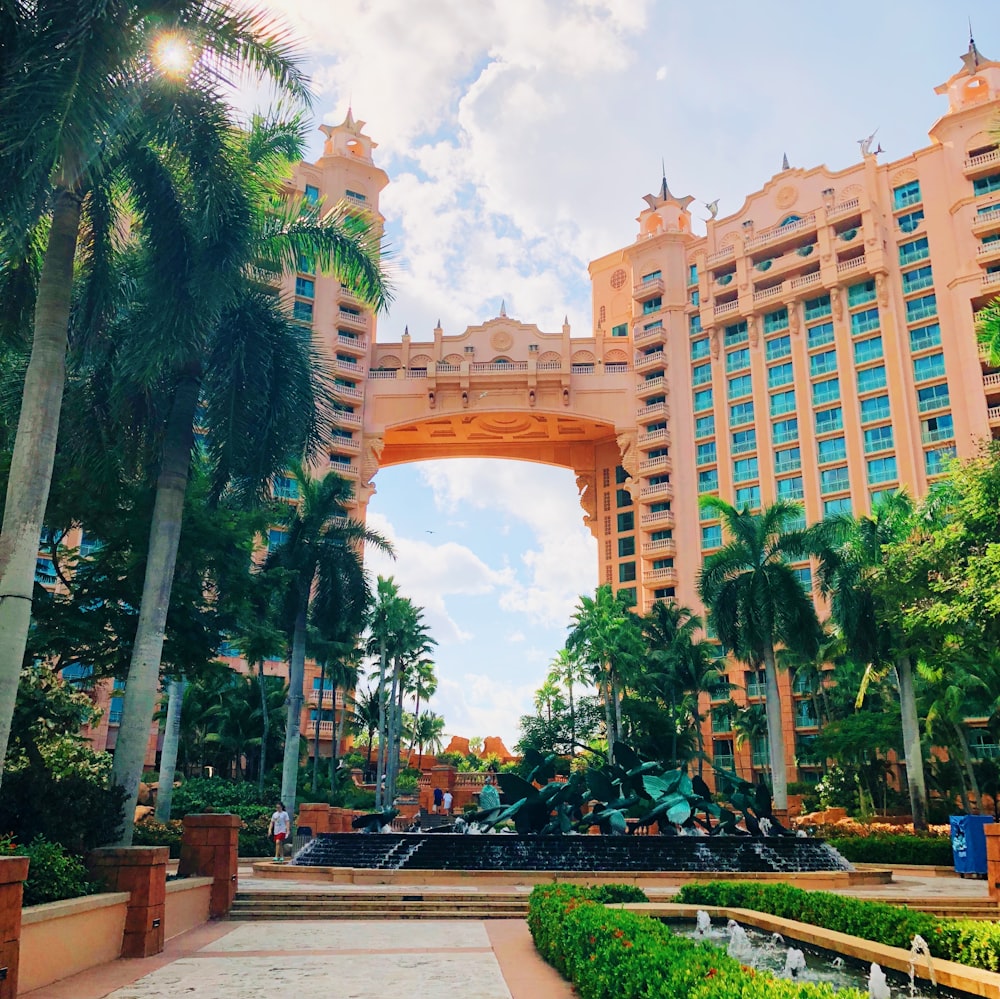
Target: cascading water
{"x":918,"y":949}
{"x":878,"y":987}
{"x":740,"y":948}
{"x":795,"y":961}
{"x":703,"y":924}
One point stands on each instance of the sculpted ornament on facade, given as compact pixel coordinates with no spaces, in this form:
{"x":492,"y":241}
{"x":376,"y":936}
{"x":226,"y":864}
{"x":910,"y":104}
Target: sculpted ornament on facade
{"x":752,"y":330}
{"x":629,"y":452}
{"x":373,"y":458}
{"x":588,"y":498}
{"x":501,"y":340}
{"x":715,"y":344}
{"x":793,"y":318}
{"x":786,"y":197}
{"x":882,"y":289}
{"x":836,"y":304}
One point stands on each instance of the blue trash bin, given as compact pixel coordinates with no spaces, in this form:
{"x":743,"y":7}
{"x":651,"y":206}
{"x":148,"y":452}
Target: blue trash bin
{"x":968,"y":842}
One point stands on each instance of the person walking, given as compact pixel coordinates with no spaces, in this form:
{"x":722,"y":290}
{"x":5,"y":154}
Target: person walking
{"x":438,"y":799}
{"x":278,"y":828}
{"x":447,"y":802}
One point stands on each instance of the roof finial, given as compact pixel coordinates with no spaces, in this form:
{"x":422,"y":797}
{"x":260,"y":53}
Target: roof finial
{"x":664,"y":190}
{"x":503,"y":309}
{"x":406,"y":330}
{"x":973,"y":57}
{"x":784,"y":162}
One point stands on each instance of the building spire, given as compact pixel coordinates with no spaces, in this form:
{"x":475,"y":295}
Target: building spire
{"x":503,"y":309}
{"x":784,"y":162}
{"x":973,"y":57}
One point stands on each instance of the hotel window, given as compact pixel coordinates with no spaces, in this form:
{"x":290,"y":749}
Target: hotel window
{"x":626,"y":572}
{"x":817,"y":308}
{"x":871,"y":379}
{"x":986,"y":185}
{"x":916,"y":249}
{"x":917,"y":279}
{"x":620,"y":475}
{"x":785,"y":431}
{"x":653,"y":275}
{"x":626,"y":546}
{"x":704,"y":426}
{"x":711,"y":536}
{"x":741,"y":413}
{"x":819,"y":336}
{"x":831,"y":508}
{"x":695,"y":297}
{"x":861,"y":294}
{"x":624,"y":498}
{"x":705,"y":454}
{"x":356,"y":195}
{"x":868,"y":350}
{"x":737,"y":359}
{"x":988,"y":208}
{"x":921,"y":308}
{"x":653,"y":305}
{"x":876,"y":408}
{"x":303,"y":311}
{"x":882,"y":470}
{"x":661,"y":536}
{"x":692,"y":274}
{"x":699,"y":349}
{"x":626,"y":521}
{"x":864,"y":322}
{"x":656,"y":324}
{"x":906,"y":195}
{"x":775,"y":321}
{"x":620,"y":330}
{"x":828,"y":391}
{"x":736,"y":334}
{"x":701,"y":374}
{"x":911,"y":222}
{"x":743,"y":441}
{"x":305,"y":288}
{"x":878,"y":439}
{"x":788,"y":460}
{"x":703,"y":399}
{"x":779,"y":375}
{"x":808,"y":719}
{"x":782,"y":403}
{"x":927,"y":367}
{"x":694,"y":324}
{"x":828,"y":420}
{"x":663,"y":563}
{"x":312,"y":194}
{"x":791,"y":489}
{"x":275,"y":539}
{"x":823,"y":364}
{"x":780,"y":346}
{"x":834,"y":480}
{"x":933,"y":429}
{"x":878,"y":495}
{"x":306,"y":265}
{"x":708,"y":481}
{"x":924,"y":337}
{"x":933,"y":397}
{"x":747,"y":496}
{"x":744,"y":469}
{"x":833,"y":449}
{"x":936,"y":460}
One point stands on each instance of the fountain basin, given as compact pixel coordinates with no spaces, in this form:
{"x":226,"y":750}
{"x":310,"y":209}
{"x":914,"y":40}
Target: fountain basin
{"x":950,"y":975}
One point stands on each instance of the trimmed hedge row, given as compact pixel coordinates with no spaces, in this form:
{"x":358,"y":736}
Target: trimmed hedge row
{"x":889,"y":849}
{"x":966,"y":941}
{"x":614,"y":954}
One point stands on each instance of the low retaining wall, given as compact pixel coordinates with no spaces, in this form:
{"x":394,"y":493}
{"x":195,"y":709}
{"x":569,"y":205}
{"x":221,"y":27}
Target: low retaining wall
{"x":60,"y":939}
{"x":187,"y":904}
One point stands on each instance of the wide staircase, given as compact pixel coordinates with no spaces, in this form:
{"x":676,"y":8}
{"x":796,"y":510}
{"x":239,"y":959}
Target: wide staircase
{"x":378,"y":904}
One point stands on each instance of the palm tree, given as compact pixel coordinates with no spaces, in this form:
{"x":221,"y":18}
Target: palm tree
{"x":852,"y":571}
{"x":422,"y":683}
{"x":383,"y":622}
{"x":367,"y":711}
{"x":549,"y":697}
{"x":321,"y":554}
{"x":750,"y":725}
{"x":605,"y":635}
{"x":90,"y":120}
{"x":567,"y":671}
{"x":755,"y":601}
{"x":428,"y":732}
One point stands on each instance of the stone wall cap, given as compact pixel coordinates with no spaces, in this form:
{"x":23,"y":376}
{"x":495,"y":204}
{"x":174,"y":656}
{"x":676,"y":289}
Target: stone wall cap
{"x":225,"y":820}
{"x":72,"y":906}
{"x":13,"y":869}
{"x":188,"y":884}
{"x":131,"y":856}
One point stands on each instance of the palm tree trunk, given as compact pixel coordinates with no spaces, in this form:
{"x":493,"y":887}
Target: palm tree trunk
{"x":572,"y":718}
{"x":380,"y":766}
{"x":977,"y":798}
{"x":911,"y":742}
{"x":338,"y":737}
{"x":319,"y":716}
{"x":266,"y":727}
{"x":775,"y":735}
{"x":416,"y":716}
{"x":168,"y":755}
{"x":31,"y":464}
{"x":293,"y":720}
{"x":609,"y":718}
{"x":617,"y":695}
{"x":390,"y":749}
{"x":161,"y":558}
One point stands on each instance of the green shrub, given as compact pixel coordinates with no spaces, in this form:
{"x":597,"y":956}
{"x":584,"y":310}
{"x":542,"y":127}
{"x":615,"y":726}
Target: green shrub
{"x":254,"y":840}
{"x":450,"y":759}
{"x":149,"y":832}
{"x":406,"y":784}
{"x":616,"y":954}
{"x":53,"y":872}
{"x":613,"y":894}
{"x":972,"y":942}
{"x":213,"y":794}
{"x":889,"y":849}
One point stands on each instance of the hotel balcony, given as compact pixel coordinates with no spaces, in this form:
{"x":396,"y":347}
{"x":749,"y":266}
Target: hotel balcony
{"x":666,"y":547}
{"x":993,"y":415}
{"x":351,"y":368}
{"x":852,"y":207}
{"x":986,"y":222}
{"x":654,"y":438}
{"x":357,"y":345}
{"x":659,"y":518}
{"x":766,"y":294}
{"x":982,"y":164}
{"x":726,"y":308}
{"x":991,"y":280}
{"x":348,"y":297}
{"x":349,"y":470}
{"x":805,"y":281}
{"x":991,"y":383}
{"x":646,"y":362}
{"x":347,"y":392}
{"x":659,"y":577}
{"x":850,"y":266}
{"x":661,"y":490}
{"x":352,"y":444}
{"x":509,"y":367}
{"x":720,"y":256}
{"x":346,"y":318}
{"x":656,"y":409}
{"x":313,"y":699}
{"x":653,"y":465}
{"x":343,"y":419}
{"x":646,"y":290}
{"x":783,"y":232}
{"x":654,"y":335}
{"x":651,"y":386}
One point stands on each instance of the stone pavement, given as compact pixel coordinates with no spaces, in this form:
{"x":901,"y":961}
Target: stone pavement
{"x":334,"y":958}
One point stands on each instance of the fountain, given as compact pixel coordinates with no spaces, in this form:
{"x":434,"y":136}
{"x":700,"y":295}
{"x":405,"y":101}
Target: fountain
{"x":878,"y":987}
{"x":795,"y":961}
{"x":740,"y":948}
{"x":919,"y":948}
{"x":703,"y":924}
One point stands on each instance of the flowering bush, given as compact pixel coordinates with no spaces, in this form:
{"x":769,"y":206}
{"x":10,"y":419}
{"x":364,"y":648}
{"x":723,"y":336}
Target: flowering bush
{"x":53,"y":872}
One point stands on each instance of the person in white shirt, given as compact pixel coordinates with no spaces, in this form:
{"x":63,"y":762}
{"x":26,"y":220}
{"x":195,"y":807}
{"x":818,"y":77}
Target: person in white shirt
{"x":279,"y":828}
{"x":447,"y":802}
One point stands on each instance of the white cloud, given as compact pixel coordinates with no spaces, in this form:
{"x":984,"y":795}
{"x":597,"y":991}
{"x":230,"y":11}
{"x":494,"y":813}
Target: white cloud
{"x":516,"y":636}
{"x":475,"y":704}
{"x":661,"y":73}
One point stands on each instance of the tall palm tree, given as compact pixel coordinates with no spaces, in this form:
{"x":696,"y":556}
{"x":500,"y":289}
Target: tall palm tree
{"x":750,"y":725}
{"x":428,"y":732}
{"x":755,"y":601}
{"x":91,"y":119}
{"x":549,"y":698}
{"x":367,"y":710}
{"x":567,"y":671}
{"x":321,"y":553}
{"x":384,"y":620}
{"x":852,"y":571}
{"x":421,"y":683}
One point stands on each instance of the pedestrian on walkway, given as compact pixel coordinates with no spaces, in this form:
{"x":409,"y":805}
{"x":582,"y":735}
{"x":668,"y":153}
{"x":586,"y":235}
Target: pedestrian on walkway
{"x":278,"y":828}
{"x":447,"y":802}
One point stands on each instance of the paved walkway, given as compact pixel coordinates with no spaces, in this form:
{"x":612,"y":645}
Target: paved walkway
{"x":419,"y":959}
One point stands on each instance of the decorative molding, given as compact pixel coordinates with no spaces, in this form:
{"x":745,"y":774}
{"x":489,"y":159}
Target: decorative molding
{"x":836,"y":304}
{"x":372,"y":459}
{"x":550,"y":355}
{"x":882,"y":290}
{"x":629,"y":452}
{"x":786,"y":196}
{"x":618,"y":279}
{"x":585,"y":483}
{"x":903,"y":176}
{"x":501,"y":340}
{"x":583,"y":357}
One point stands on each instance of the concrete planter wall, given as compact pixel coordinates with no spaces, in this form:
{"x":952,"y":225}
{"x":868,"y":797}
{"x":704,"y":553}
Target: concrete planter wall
{"x":187,"y":905}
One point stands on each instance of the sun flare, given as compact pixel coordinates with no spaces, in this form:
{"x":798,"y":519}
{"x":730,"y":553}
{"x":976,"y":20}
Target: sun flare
{"x":172,"y":55}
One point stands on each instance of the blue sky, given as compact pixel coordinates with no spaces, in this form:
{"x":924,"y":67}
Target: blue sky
{"x":520,"y":136}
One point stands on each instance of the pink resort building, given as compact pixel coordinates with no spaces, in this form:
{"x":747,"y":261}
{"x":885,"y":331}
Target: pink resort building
{"x":816,"y":345}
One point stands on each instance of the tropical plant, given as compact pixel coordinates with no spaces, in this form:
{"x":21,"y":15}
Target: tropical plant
{"x":428,"y":732}
{"x":755,"y":602}
{"x":568,"y":672}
